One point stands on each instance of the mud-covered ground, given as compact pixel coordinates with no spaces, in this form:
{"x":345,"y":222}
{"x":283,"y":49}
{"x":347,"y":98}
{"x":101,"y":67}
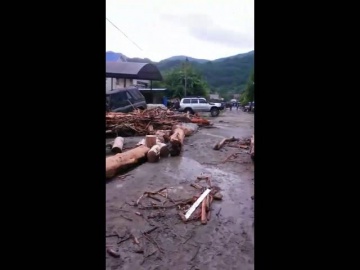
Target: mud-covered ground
{"x":225,"y":242}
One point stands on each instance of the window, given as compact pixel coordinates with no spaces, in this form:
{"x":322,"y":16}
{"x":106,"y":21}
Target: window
{"x":203,"y":101}
{"x":128,"y":96}
{"x":118,"y":81}
{"x":187,"y":101}
{"x":118,"y":100}
{"x":136,"y":94}
{"x":194,"y":100}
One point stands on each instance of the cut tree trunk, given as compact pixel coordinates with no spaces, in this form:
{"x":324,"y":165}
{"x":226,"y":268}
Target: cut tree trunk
{"x":200,"y":121}
{"x":176,"y":141}
{"x":150,"y":140}
{"x":164,"y":150}
{"x":120,"y":161}
{"x":163,"y":135}
{"x":163,"y":132}
{"x":154,"y":154}
{"x":223,"y":141}
{"x":187,"y":129}
{"x":118,"y":144}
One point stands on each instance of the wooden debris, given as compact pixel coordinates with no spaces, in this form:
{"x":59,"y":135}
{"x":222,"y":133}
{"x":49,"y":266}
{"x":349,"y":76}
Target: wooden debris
{"x":200,"y":121}
{"x":115,"y":163}
{"x":154,"y":154}
{"x":125,"y":217}
{"x":197,"y":203}
{"x":150,"y":140}
{"x":252,"y":147}
{"x":223,"y":141}
{"x":203,"y":212}
{"x":136,"y":241}
{"x":162,"y":133}
{"x":141,"y":142}
{"x":176,"y":141}
{"x":147,"y":122}
{"x":113,"y":253}
{"x":218,"y":196}
{"x":118,"y":144}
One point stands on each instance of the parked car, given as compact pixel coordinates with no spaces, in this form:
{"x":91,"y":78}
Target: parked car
{"x":200,"y":104}
{"x":125,"y":100}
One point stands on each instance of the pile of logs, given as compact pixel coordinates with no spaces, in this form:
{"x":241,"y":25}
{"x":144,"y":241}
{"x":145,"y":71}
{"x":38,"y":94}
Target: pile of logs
{"x":146,"y":122}
{"x":151,"y":148}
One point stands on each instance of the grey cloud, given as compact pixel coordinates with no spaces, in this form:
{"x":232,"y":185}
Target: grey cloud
{"x":222,"y":36}
{"x":203,"y":28}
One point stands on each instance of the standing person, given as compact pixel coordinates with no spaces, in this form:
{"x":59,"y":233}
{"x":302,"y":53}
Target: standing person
{"x":237,"y":106}
{"x":177,"y":104}
{"x":231,"y":105}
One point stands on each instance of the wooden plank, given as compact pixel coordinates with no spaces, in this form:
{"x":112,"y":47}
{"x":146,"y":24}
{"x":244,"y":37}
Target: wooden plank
{"x":197,"y":203}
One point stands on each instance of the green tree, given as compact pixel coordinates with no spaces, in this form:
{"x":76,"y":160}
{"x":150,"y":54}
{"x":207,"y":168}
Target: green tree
{"x":248,"y":94}
{"x":174,"y":80}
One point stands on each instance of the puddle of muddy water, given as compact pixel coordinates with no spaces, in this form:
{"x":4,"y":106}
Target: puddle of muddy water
{"x":232,"y":185}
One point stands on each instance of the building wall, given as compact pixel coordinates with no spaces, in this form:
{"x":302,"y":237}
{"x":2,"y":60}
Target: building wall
{"x":214,"y":96}
{"x":121,"y":83}
{"x":118,"y":83}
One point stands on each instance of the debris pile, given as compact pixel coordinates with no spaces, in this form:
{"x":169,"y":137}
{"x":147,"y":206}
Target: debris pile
{"x":146,"y":122}
{"x":198,"y":207}
{"x":151,"y":148}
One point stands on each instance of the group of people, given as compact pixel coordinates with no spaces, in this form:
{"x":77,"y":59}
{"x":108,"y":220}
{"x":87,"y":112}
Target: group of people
{"x":234,"y":104}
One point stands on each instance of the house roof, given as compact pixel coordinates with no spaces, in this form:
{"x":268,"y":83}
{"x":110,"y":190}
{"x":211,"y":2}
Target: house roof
{"x":130,"y":70}
{"x":154,"y":89}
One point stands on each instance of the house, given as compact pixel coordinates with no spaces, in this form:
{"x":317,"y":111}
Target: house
{"x":154,"y":95}
{"x":125,"y":74}
{"x":120,"y":83}
{"x":236,"y":96}
{"x":214,"y":96}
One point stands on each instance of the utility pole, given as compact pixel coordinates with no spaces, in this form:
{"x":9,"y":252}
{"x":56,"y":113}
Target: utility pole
{"x":185,"y":71}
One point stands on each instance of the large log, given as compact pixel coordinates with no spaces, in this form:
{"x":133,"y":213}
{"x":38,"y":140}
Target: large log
{"x":150,"y":140}
{"x":120,"y":161}
{"x":154,"y":154}
{"x":200,"y":121}
{"x":176,"y":141}
{"x":189,"y":128}
{"x":164,"y":150}
{"x":163,"y":132}
{"x":223,"y":141}
{"x":118,"y":144}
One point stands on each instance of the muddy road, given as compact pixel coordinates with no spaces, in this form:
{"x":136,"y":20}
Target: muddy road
{"x":225,"y":242}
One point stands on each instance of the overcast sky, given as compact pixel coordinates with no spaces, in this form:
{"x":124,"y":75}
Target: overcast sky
{"x":206,"y":29}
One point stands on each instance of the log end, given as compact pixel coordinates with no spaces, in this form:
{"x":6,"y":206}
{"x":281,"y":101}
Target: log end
{"x":164,"y":151}
{"x":204,"y":222}
{"x":116,"y":150}
{"x":218,"y":196}
{"x":152,"y":157}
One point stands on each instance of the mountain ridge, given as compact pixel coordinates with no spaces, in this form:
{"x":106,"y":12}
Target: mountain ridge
{"x":110,"y":56}
{"x":227,"y":74}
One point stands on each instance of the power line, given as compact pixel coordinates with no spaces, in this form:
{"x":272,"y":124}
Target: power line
{"x":124,"y":34}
